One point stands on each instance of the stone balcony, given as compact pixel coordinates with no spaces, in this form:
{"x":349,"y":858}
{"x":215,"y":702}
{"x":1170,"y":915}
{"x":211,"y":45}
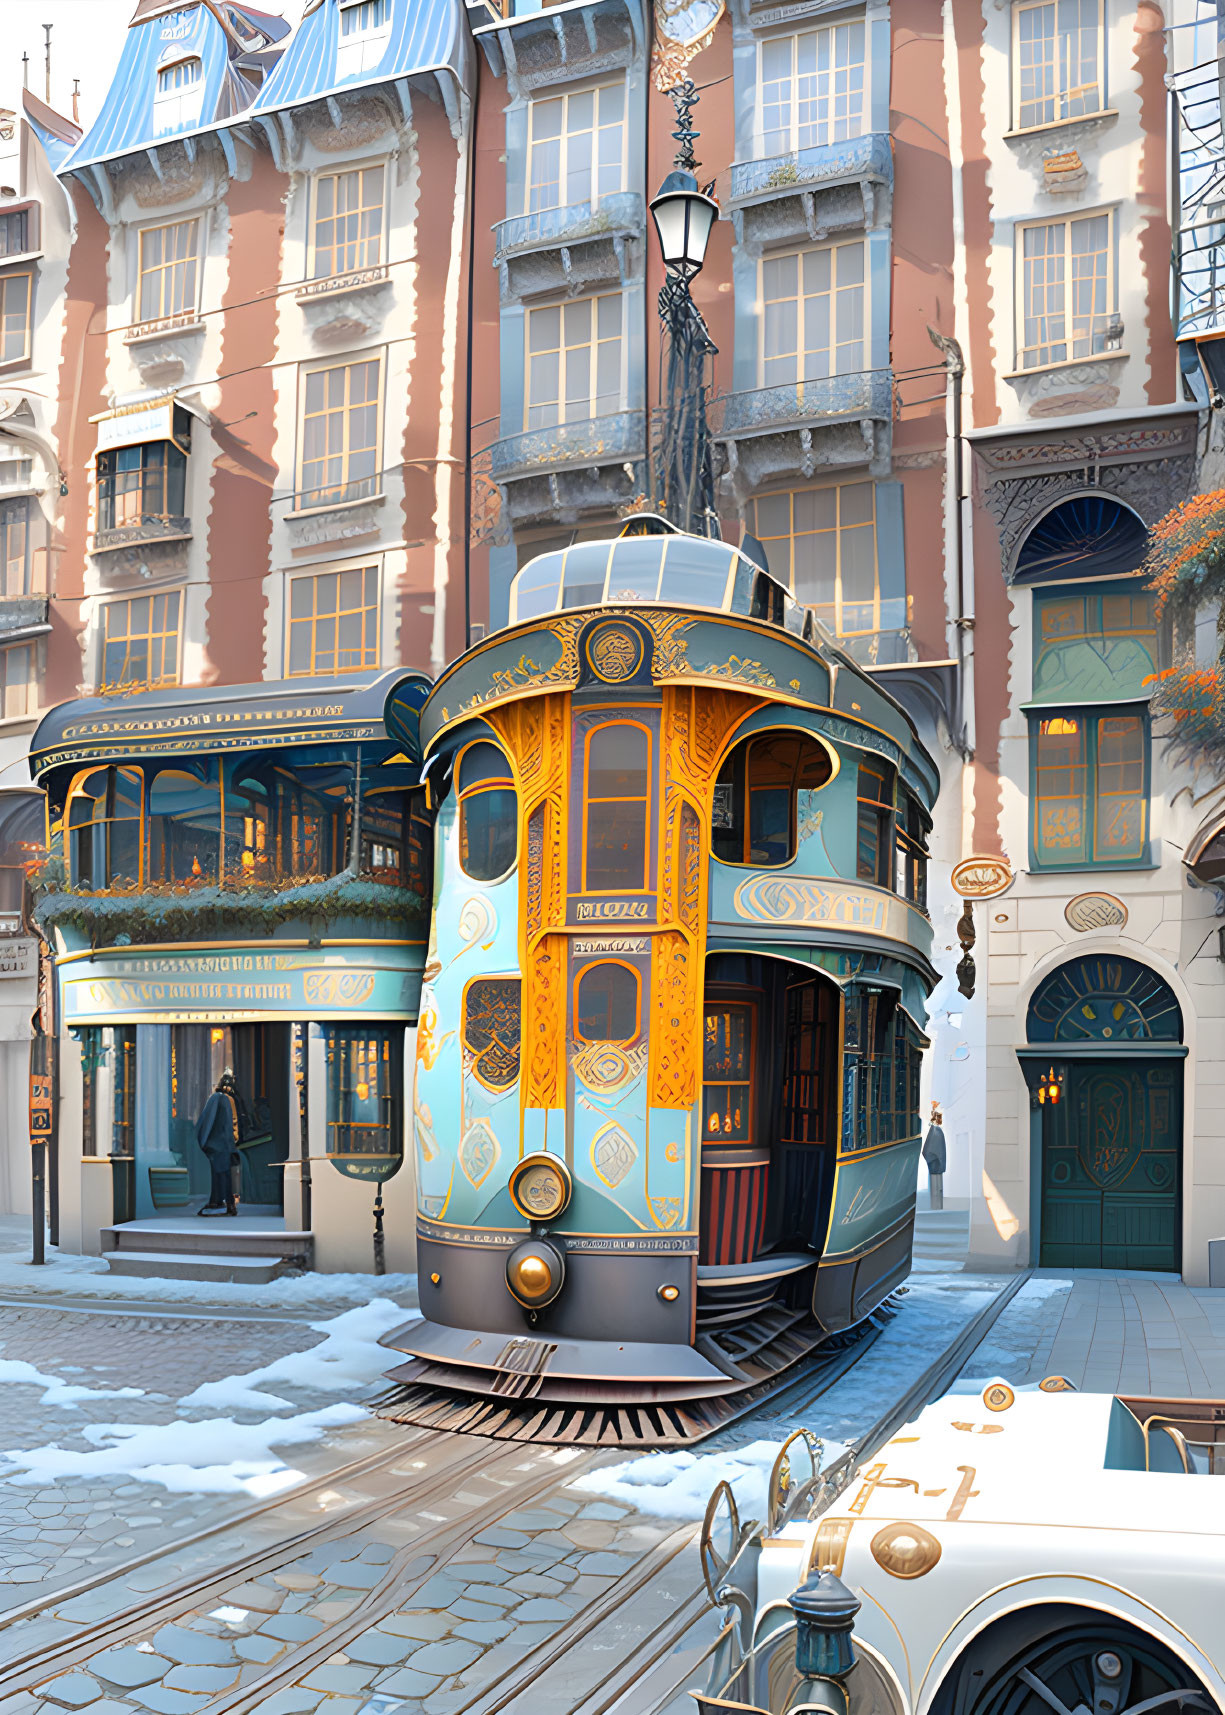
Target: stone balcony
{"x":571,"y":468}
{"x":22,"y":616}
{"x":566,"y":249}
{"x":774,"y":433}
{"x":812,"y":193}
{"x":149,"y":527}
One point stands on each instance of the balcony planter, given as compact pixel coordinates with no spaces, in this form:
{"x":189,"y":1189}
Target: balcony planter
{"x":339,"y":905}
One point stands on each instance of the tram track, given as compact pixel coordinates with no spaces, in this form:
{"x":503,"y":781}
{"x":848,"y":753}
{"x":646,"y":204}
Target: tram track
{"x":657,"y":1580}
{"x":20,"y":1671}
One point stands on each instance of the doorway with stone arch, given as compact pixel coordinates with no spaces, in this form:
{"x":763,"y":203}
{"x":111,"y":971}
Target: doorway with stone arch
{"x":1106,"y":1033}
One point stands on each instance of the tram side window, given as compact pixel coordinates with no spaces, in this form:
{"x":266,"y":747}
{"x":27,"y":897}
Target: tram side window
{"x":757,"y":796}
{"x":397,"y":840}
{"x":607,"y":1003}
{"x":912,"y":827}
{"x":874,"y":831}
{"x":184,"y":827}
{"x":617,"y":824}
{"x":488,"y":813}
{"x":104,"y":828}
{"x":727,"y":1060}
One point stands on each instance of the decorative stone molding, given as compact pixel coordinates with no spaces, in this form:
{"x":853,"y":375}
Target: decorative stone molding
{"x":1150,"y":467}
{"x":163,"y":352}
{"x":348,"y":520}
{"x":1072,"y":389}
{"x":345,"y":316}
{"x":159,"y":561}
{"x":552,"y":46}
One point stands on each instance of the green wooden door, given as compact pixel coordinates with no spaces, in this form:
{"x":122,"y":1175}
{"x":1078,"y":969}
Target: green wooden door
{"x":1111,"y":1160}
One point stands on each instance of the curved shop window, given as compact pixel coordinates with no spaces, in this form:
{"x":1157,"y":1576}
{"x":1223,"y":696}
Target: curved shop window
{"x":488,"y":813}
{"x":365,"y":1099}
{"x":761,"y":804}
{"x":284,"y":824}
{"x":616,"y":823}
{"x":103,"y":822}
{"x":608,"y":1003}
{"x":184,"y":826}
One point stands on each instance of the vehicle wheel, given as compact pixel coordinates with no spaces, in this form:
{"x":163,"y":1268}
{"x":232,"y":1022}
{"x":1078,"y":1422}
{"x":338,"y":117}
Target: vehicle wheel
{"x":1070,"y":1660}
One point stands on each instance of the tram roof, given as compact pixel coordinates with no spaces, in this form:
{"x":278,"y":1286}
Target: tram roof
{"x":201,"y":720}
{"x":665,"y":566}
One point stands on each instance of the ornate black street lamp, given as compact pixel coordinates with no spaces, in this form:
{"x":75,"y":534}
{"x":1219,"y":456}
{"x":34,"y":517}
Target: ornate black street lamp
{"x":684,"y":215}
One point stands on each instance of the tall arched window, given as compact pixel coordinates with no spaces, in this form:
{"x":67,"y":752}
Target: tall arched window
{"x":617,"y":823}
{"x":104,"y":828}
{"x":608,"y":1003}
{"x":488,"y":813}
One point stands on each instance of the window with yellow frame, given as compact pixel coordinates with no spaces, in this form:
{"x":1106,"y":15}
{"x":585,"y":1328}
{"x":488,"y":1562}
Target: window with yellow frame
{"x":616,"y":814}
{"x":339,"y":443}
{"x":16,"y":299}
{"x":334,"y":621}
{"x":608,"y":1003}
{"x":348,"y":222}
{"x":140,"y":640}
{"x":1089,"y":787}
{"x":168,"y":271}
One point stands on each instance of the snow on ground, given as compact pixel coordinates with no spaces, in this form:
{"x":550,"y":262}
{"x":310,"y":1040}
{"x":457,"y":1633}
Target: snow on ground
{"x":182,"y":1457}
{"x":216,"y":1455}
{"x":1012,"y":1343}
{"x":68,"y":1276}
{"x":59,"y":1392}
{"x":347,"y":1358}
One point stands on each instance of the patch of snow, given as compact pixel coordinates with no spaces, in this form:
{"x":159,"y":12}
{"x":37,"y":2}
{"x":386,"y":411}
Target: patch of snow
{"x":60,"y":1392}
{"x":347,"y":1357}
{"x":678,"y":1485}
{"x":72,"y":1276}
{"x":184,"y":1457}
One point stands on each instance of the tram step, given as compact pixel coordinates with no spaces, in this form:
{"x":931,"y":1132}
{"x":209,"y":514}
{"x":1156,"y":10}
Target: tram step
{"x":196,"y":1265}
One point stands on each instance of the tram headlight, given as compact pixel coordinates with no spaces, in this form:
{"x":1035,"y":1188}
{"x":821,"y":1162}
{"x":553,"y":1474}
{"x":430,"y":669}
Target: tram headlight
{"x":535,"y":1273}
{"x":540,"y":1187}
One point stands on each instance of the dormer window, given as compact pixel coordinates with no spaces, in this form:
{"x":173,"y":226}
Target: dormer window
{"x":365,"y":31}
{"x":179,"y":94}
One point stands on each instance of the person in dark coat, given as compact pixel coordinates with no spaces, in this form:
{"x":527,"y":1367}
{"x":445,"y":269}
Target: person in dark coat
{"x":935,"y":1155}
{"x":217,"y":1133}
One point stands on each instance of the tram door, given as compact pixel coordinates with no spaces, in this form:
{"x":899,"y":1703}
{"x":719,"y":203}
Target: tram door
{"x":735,"y":1162}
{"x":806,"y":1147}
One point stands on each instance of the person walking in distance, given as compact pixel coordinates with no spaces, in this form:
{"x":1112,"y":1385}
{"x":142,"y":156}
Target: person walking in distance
{"x":935,"y":1155}
{"x":217,"y":1133}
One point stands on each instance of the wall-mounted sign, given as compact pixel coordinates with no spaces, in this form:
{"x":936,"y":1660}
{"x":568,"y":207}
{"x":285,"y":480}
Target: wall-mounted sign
{"x":185,"y":988}
{"x":132,"y":425}
{"x":1095,"y":911}
{"x":982,"y":877}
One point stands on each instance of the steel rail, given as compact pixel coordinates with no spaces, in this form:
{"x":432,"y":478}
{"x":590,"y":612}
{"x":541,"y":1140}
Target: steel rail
{"x":60,"y":1656}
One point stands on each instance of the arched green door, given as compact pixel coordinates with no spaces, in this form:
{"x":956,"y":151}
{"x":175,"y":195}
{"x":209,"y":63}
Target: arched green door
{"x":1112,"y":1146}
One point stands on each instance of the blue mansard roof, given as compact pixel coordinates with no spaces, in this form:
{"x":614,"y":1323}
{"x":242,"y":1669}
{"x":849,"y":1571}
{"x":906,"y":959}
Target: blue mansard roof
{"x":223,"y":48}
{"x":416,"y":36}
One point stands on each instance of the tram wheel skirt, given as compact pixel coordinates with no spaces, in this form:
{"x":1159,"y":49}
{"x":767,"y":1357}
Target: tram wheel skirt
{"x":524,"y":1399}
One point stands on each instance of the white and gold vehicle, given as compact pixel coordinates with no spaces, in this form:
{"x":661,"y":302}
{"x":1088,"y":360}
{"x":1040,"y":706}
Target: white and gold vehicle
{"x":1005,"y":1554}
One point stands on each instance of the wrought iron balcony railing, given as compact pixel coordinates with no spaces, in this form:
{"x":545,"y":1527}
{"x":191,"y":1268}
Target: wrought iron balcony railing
{"x":336,"y":494}
{"x":866,"y":395}
{"x":581,"y":222}
{"x":1199,"y":246}
{"x":596,"y":440}
{"x":866,"y":159}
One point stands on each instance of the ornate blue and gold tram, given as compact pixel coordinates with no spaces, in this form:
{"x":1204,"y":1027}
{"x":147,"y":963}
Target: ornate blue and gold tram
{"x":666,"y":1103}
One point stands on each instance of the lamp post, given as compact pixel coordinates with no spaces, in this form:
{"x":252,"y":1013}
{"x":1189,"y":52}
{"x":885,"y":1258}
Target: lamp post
{"x":684,"y":214}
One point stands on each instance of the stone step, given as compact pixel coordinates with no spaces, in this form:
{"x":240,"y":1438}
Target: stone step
{"x":208,"y":1236}
{"x":196,"y":1265}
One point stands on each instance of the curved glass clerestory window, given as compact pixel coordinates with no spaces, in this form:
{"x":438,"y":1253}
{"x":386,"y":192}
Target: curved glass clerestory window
{"x":104,"y":828}
{"x":488,"y":813}
{"x":674,"y":569}
{"x":617,"y":821}
{"x":184,"y":826}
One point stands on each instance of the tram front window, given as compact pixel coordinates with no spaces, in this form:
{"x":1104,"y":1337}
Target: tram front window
{"x":618,"y":796}
{"x":607,"y":1003}
{"x":488,"y":813}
